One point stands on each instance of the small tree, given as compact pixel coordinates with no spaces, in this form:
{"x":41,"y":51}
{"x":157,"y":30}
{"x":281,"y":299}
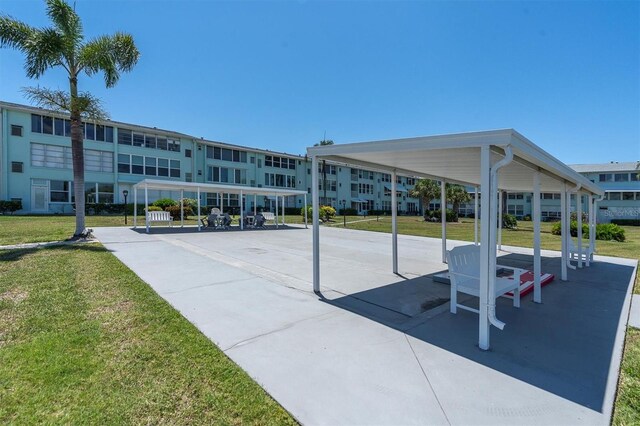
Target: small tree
{"x":62,"y":45}
{"x":456,"y":195}
{"x":426,"y":190}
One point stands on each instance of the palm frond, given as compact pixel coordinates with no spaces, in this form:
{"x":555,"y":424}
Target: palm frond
{"x":109,"y":54}
{"x":66,"y":20}
{"x":14,"y":33}
{"x":60,"y":101}
{"x":44,"y":49}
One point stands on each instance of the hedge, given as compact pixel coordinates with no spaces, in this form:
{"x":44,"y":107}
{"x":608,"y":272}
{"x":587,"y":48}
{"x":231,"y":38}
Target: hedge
{"x":604,"y":231}
{"x":10,"y":206}
{"x":436,"y":215}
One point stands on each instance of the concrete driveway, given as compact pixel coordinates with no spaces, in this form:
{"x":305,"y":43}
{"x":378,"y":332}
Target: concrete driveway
{"x":376,"y":348}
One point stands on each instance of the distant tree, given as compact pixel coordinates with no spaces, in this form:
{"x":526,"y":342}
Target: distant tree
{"x":456,"y":195}
{"x":63,"y":45}
{"x":426,"y":190}
{"x":324,"y":142}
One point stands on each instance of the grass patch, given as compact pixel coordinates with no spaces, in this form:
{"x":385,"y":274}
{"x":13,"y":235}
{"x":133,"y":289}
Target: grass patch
{"x":84,"y":340}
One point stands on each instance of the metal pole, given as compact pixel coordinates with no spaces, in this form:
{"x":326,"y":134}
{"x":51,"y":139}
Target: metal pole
{"x":443,"y":218}
{"x":198,"y":214}
{"x":283,"y":203}
{"x":241,"y":212}
{"x":135,"y":207}
{"x":146,"y":207}
{"x":565,"y":231}
{"x":486,"y":219}
{"x":476,"y":213}
{"x":537,"y":288}
{"x":315,"y":206}
{"x":579,"y":218}
{"x":500,"y":213}
{"x":276,"y":203}
{"x":394,"y":222}
{"x":305,"y":212}
{"x":181,"y":208}
{"x":255,"y":204}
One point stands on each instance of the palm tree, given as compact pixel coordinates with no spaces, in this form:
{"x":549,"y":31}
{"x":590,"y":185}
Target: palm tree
{"x":456,"y":195}
{"x":63,"y":45}
{"x":426,"y":190}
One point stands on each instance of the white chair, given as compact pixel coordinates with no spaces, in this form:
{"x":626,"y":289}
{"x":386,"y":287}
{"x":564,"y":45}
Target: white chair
{"x":269,"y":217}
{"x":464,"y":274}
{"x":575,"y":254}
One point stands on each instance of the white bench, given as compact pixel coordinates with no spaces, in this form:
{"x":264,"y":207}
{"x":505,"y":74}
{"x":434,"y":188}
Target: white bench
{"x":464,"y":273}
{"x":269,"y":216}
{"x":161,"y":217}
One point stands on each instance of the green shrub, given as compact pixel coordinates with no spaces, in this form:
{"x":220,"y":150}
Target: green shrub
{"x":604,"y":231}
{"x":436,"y":216}
{"x":527,"y":218}
{"x":163,"y":203}
{"x":509,"y":221}
{"x":326,"y":212}
{"x":190,"y":202}
{"x":10,"y":206}
{"x":154,"y":209}
{"x":174,"y":211}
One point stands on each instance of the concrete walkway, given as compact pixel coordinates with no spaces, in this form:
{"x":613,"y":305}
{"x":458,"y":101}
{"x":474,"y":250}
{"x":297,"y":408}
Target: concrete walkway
{"x":381,"y":349}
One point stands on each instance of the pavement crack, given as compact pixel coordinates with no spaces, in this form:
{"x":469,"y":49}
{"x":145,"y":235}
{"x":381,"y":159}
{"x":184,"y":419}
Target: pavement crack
{"x":424,"y":373}
{"x":277,"y":330}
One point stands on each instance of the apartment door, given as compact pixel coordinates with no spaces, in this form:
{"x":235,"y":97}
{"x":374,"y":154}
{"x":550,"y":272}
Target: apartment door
{"x":39,"y":197}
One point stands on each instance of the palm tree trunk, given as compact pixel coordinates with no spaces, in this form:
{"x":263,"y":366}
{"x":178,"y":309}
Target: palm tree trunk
{"x":77,"y":152}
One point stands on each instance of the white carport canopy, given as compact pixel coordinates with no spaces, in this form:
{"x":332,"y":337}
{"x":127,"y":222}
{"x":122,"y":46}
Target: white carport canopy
{"x":491,"y":161}
{"x":198,"y":188}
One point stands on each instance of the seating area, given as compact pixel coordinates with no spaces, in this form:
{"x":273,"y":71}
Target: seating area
{"x":159,"y":217}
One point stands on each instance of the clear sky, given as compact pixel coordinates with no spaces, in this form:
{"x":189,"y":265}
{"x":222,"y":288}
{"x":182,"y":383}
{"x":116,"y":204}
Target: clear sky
{"x":277,"y":75}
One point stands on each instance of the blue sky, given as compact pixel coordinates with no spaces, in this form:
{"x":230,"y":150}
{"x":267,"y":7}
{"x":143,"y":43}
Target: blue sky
{"x":277,"y":75}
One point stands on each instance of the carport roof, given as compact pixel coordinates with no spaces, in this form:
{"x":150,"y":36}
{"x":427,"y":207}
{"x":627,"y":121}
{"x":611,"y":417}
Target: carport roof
{"x":212,"y":187}
{"x":456,"y":158}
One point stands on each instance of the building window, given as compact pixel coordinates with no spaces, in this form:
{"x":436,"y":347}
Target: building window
{"x":279,"y":180}
{"x":17,"y":166}
{"x":226,"y":175}
{"x":606,"y":177}
{"x":16,"y":130}
{"x":187,"y":153}
{"x":59,"y":191}
{"x":627,"y":196}
{"x":137,"y":164}
{"x":188,"y":177}
{"x":621,"y":177}
{"x":124,"y":163}
{"x":124,"y":137}
{"x":174,"y":168}
{"x":279,"y":162}
{"x":50,"y":156}
{"x":150,"y":166}
{"x":98,"y":161}
{"x":226,"y":154}
{"x":614,"y":196}
{"x":163,"y":167}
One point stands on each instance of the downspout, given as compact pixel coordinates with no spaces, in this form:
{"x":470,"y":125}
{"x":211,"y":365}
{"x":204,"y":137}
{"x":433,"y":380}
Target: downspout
{"x":508,"y":158}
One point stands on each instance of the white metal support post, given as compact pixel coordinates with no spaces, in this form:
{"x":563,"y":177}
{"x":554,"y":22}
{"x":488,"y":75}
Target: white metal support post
{"x":198,"y":214}
{"x":305,"y":212}
{"x":146,"y":206}
{"x":241,"y":212}
{"x":283,"y":203}
{"x":135,"y":207}
{"x":255,"y":204}
{"x":592,"y":227}
{"x":579,"y":217}
{"x":443,"y":218}
{"x":564,"y":232}
{"x":315,"y":206}
{"x":537,"y":288}
{"x":394,"y":222}
{"x":476,"y":213}
{"x":181,"y":208}
{"x":485,"y":223}
{"x":276,"y":203}
{"x":500,"y":213}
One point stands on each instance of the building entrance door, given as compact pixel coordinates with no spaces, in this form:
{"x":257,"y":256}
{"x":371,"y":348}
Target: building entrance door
{"x":39,"y":198}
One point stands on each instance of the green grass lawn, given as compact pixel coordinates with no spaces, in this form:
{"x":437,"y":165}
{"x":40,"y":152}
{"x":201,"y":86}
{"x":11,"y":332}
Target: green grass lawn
{"x":84,"y":340}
